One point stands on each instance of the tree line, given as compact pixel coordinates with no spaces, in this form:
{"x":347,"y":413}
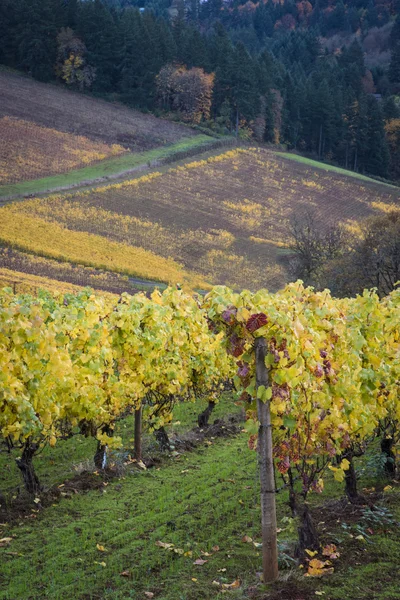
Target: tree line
{"x":286,"y":89}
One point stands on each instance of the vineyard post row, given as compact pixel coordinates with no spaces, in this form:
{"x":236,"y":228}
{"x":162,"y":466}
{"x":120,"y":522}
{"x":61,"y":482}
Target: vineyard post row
{"x":317,"y":376}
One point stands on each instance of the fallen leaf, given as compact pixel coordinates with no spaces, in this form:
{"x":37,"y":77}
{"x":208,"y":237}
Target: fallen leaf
{"x":317,"y":593}
{"x":360,"y":537}
{"x":149,"y":594}
{"x":199,"y":561}
{"x":102,"y":564}
{"x":311,"y":552}
{"x":205,"y":553}
{"x":141,"y":464}
{"x":100,"y":548}
{"x":5,"y":541}
{"x":125,"y":574}
{"x":315,"y":563}
{"x":163,"y":544}
{"x":221,"y":570}
{"x":194,"y":579}
{"x":215,"y":548}
{"x":247,"y":538}
{"x":37,"y":500}
{"x":216,"y":583}
{"x":232,"y":586}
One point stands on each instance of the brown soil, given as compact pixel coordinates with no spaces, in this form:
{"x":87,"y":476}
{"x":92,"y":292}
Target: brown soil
{"x":58,"y":108}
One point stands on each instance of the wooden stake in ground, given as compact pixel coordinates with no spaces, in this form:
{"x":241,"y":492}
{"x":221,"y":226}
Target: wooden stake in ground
{"x":138,"y":434}
{"x":266,"y":463}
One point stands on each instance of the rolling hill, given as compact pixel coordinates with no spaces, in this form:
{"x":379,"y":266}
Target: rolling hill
{"x":222,"y":218}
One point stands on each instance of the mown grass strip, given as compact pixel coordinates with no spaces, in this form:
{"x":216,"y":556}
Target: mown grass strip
{"x":105,"y":168}
{"x":326,"y":167}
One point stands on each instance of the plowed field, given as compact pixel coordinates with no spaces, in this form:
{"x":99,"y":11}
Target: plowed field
{"x":224,"y":218}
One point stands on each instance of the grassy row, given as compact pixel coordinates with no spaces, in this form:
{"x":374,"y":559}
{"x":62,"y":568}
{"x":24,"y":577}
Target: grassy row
{"x":327,"y":167}
{"x":197,"y":501}
{"x":105,"y":168}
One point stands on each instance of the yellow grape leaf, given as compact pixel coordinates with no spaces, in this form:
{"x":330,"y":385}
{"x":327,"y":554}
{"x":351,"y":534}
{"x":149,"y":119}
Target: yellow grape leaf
{"x":194,"y":579}
{"x":315,"y":563}
{"x":387,"y":488}
{"x":231,"y":586}
{"x":102,"y":564}
{"x":5,"y":541}
{"x":163,"y":544}
{"x":345,"y":464}
{"x":298,"y":328}
{"x":311,"y":552}
{"x":100,"y":548}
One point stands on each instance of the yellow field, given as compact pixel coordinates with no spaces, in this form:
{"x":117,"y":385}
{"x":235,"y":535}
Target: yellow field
{"x":28,"y":151}
{"x":224,"y":219}
{"x":26,"y":283}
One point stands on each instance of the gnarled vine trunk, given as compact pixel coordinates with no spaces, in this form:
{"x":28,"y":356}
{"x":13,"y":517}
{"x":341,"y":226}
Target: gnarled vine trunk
{"x":204,"y":417}
{"x":100,"y":457}
{"x":25,"y":465}
{"x":307,"y":531}
{"x":350,"y":481}
{"x":390,"y":464}
{"x":163,"y":439}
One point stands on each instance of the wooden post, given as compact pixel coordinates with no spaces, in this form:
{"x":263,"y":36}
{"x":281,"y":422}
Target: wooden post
{"x":138,"y":433}
{"x":266,"y":464}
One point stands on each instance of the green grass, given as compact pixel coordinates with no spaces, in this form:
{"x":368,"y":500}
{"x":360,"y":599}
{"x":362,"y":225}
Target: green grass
{"x":196,"y":501}
{"x":54,"y":465}
{"x":326,"y":167}
{"x":106,"y":168}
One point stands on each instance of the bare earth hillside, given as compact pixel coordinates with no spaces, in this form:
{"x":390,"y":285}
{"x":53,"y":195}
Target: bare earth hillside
{"x":57,"y":108}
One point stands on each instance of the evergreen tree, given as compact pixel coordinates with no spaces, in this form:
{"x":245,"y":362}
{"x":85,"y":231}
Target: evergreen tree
{"x":376,"y":157}
{"x":99,"y":32}
{"x":36,"y":38}
{"x":394,"y":67}
{"x":245,"y":93}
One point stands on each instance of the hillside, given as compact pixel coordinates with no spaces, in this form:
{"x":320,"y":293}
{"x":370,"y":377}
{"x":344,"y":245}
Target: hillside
{"x":223,"y":218}
{"x":55,"y":107}
{"x":52,"y":138}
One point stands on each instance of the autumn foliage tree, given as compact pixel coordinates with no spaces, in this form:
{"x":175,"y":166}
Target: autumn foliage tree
{"x":71,"y":64}
{"x":187,"y":91}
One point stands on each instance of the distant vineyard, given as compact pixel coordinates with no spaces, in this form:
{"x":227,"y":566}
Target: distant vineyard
{"x":28,"y":151}
{"x":224,"y":218}
{"x":26,"y":283}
